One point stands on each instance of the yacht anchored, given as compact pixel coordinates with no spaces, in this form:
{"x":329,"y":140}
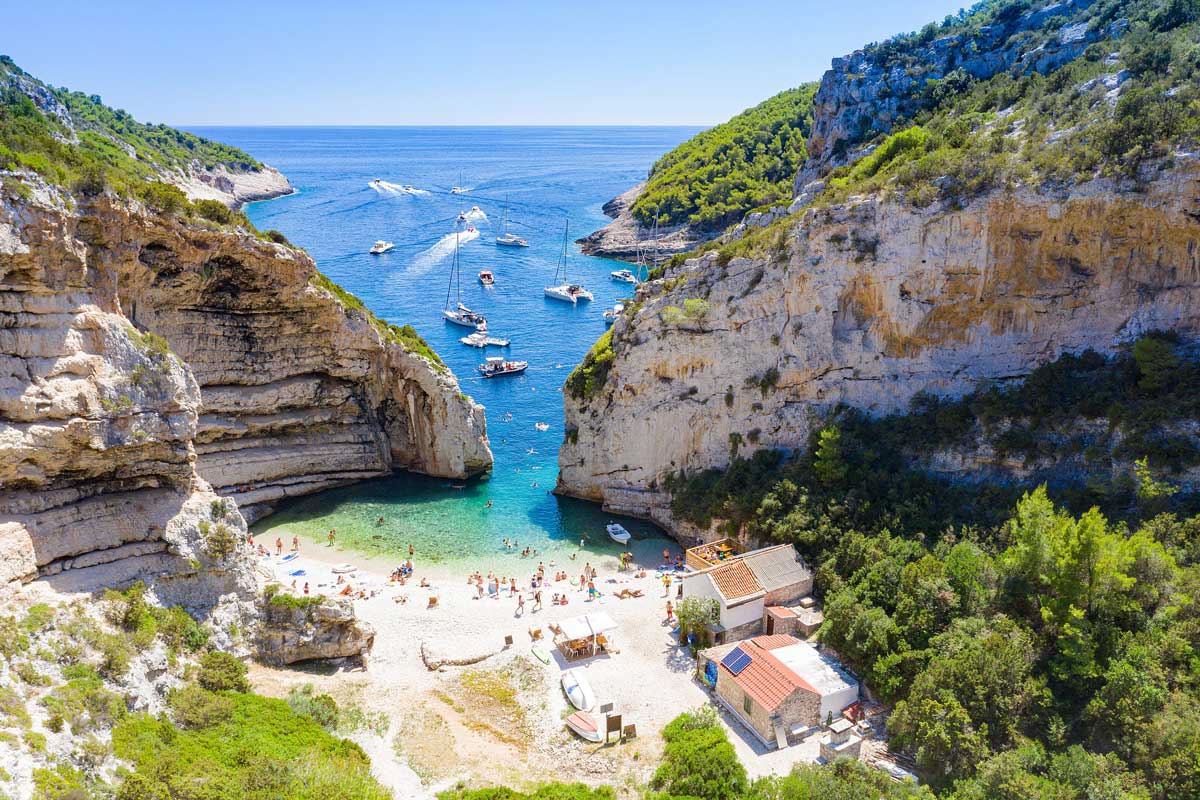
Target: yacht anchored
{"x":481,"y":339}
{"x":460,"y":314}
{"x":507,"y":239}
{"x":624,"y":276}
{"x":611,"y":315}
{"x":566,"y":291}
{"x":497,"y":366}
{"x":381,"y":247}
{"x":486,"y":277}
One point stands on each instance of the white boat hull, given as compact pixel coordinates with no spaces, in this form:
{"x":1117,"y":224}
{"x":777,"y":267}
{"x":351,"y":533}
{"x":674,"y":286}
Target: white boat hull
{"x":578,"y":691}
{"x":454,"y":319}
{"x":618,"y":534}
{"x":561,"y":293}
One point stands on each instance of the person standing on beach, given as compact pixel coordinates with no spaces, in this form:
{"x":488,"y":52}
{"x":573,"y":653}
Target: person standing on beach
{"x":666,"y":585}
{"x":332,"y":532}
{"x":520,"y":604}
{"x":410,"y":551}
{"x":306,"y":588}
{"x":670,"y":612}
{"x":278,"y":546}
{"x":537,"y":601}
{"x":295,"y":544}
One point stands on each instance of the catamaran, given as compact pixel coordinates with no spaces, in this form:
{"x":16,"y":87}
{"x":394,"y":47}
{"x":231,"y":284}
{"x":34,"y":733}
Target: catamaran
{"x":507,"y":239}
{"x":381,"y":247}
{"x":497,"y":366}
{"x":566,"y":291}
{"x":460,"y":314}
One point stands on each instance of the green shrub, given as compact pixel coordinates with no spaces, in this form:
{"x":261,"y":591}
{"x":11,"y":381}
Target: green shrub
{"x":163,"y":198}
{"x":698,"y":761}
{"x":221,"y":672}
{"x":214,"y":211}
{"x":195,"y":707}
{"x":320,"y":707}
{"x":587,"y":379}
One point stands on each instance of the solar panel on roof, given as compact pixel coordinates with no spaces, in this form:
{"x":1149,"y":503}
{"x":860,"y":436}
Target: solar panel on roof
{"x":736,"y":660}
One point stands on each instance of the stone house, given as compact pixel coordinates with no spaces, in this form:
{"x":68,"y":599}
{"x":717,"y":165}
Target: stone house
{"x":745,"y":585}
{"x":778,"y":686}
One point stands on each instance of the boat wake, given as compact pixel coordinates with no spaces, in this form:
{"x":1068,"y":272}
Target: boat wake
{"x":476,"y":214}
{"x":443,"y":248}
{"x":394,"y":189}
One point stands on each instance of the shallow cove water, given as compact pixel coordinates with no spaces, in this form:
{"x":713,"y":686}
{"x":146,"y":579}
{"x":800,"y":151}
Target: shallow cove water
{"x":548,"y":175}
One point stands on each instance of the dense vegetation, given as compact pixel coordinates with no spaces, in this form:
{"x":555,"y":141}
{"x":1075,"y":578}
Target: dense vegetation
{"x":1030,"y":651}
{"x":94,"y":147}
{"x":714,"y":178}
{"x":1022,"y":127}
{"x":588,"y":378}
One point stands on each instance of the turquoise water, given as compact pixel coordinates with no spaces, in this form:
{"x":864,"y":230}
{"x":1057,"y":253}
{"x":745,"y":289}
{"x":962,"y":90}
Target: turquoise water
{"x":547,"y":175}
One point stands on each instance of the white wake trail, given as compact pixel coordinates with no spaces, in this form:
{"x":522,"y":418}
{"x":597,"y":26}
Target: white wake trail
{"x":440,"y":251}
{"x":384,"y":187}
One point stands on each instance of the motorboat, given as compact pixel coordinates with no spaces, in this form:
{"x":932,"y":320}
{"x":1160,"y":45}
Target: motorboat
{"x":568,"y":293}
{"x":541,"y":426}
{"x":498,"y":366}
{"x":507,"y":239}
{"x":465,"y":317}
{"x":408,"y":187}
{"x":618,"y":533}
{"x":481,"y":339}
{"x":576,"y":687}
{"x":486,"y":277}
{"x":585,"y":726}
{"x":624,"y":276}
{"x":381,"y":247}
{"x":458,"y":189}
{"x":611,"y":315}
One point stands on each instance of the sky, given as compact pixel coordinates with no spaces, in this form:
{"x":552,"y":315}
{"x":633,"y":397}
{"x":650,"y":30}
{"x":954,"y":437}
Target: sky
{"x":451,"y":62}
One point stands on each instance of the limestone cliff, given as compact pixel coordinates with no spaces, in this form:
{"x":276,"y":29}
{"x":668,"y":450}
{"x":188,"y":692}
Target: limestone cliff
{"x":152,"y":363}
{"x":867,"y":303}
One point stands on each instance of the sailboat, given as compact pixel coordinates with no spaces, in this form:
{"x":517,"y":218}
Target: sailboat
{"x":566,"y":291}
{"x":507,"y":239}
{"x":460,"y":315}
{"x":458,"y":189}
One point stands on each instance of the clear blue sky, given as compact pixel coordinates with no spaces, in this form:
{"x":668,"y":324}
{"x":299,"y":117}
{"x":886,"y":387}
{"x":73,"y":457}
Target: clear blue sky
{"x":451,"y":62}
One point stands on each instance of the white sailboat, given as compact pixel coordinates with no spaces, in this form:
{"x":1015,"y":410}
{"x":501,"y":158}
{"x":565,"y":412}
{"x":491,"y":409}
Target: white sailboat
{"x":458,"y":189}
{"x":566,"y":291}
{"x":460,"y":314}
{"x":507,"y":239}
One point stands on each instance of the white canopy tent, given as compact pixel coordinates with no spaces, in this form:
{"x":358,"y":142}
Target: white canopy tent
{"x":586,"y":627}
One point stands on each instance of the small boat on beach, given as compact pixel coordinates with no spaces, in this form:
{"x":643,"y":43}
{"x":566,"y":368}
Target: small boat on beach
{"x":623,"y":276}
{"x":381,"y":247}
{"x":578,"y":691}
{"x":585,"y":727}
{"x":486,"y":277}
{"x":498,"y":366}
{"x":617,"y":533}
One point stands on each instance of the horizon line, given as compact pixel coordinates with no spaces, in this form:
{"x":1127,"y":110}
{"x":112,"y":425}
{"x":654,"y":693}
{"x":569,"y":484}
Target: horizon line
{"x":434,"y":125}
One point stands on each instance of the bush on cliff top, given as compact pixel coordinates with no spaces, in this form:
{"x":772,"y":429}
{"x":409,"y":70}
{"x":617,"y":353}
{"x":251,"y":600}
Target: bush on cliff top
{"x":587,"y":379}
{"x":714,"y":178}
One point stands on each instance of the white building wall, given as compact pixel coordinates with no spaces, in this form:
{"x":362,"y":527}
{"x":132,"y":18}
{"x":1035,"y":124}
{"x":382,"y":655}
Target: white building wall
{"x":702,"y":586}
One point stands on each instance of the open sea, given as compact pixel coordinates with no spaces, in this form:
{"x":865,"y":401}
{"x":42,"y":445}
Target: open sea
{"x":548,"y":176}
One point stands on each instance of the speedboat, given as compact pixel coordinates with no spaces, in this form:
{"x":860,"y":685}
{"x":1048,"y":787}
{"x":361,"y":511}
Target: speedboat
{"x":511,"y":240}
{"x":577,"y":690}
{"x":408,"y":188}
{"x":486,"y":277}
{"x":498,"y":366}
{"x":568,"y":293}
{"x":381,"y":247}
{"x":584,"y":726}
{"x":617,"y":533}
{"x":611,"y":315}
{"x":457,"y":190}
{"x":624,"y":276}
{"x":481,"y":339}
{"x":465,"y":317}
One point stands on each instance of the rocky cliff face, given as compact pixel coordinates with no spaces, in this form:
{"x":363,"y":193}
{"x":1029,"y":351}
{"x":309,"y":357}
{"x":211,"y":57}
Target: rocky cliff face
{"x":115,"y":444}
{"x":875,"y":89}
{"x":867,"y":304}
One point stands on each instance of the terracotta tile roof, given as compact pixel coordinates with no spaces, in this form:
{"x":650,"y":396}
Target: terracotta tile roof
{"x":766,"y":679}
{"x":773,"y":641}
{"x":734,"y":580}
{"x":782,"y":612}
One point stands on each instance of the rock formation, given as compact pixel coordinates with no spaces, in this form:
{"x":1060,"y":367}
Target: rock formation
{"x":321,"y":628}
{"x":147,"y":359}
{"x":626,"y":238}
{"x":868,"y":303}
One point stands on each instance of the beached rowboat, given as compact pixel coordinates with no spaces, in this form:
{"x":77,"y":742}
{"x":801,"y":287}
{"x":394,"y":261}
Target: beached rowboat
{"x":578,"y":691}
{"x":585,"y":726}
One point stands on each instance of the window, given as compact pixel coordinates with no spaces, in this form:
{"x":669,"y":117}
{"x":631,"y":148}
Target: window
{"x":746,"y":704}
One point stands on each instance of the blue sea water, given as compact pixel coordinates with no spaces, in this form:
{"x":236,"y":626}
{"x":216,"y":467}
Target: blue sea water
{"x":548,"y":176}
